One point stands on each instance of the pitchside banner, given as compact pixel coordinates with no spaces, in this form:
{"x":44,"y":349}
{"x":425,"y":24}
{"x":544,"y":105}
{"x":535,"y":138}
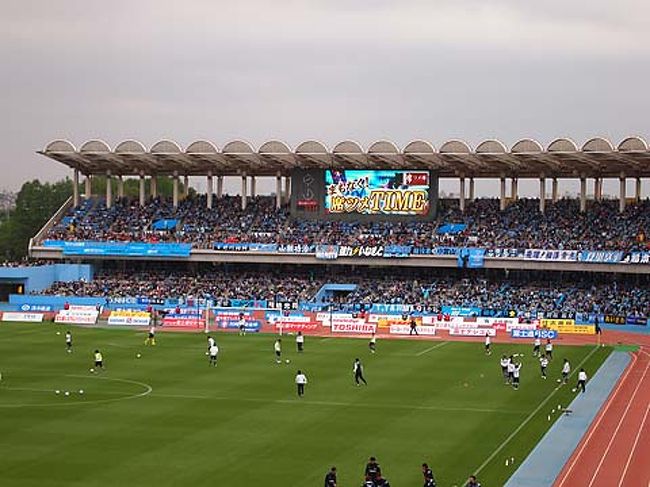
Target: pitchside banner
{"x":543,"y":334}
{"x":354,"y":328}
{"x":472,"y":332}
{"x":129,"y":318}
{"x":82,"y":315}
{"x":567,"y":326}
{"x":406,"y":330}
{"x":22,"y":317}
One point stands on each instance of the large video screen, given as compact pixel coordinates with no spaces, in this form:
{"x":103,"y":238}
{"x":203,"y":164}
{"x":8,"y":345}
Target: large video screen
{"x":382,"y":192}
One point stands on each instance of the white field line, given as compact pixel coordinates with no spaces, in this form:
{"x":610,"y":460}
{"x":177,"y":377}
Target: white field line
{"x":592,"y":430}
{"x":618,"y":426}
{"x":437,"y":345}
{"x":528,"y":418}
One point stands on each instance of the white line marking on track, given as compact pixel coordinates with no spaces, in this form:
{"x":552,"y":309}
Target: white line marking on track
{"x":636,"y":440}
{"x":618,"y":426}
{"x":529,"y":417}
{"x":593,"y":429}
{"x":437,"y":345}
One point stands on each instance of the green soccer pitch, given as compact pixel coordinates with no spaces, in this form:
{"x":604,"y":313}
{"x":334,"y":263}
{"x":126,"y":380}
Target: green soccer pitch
{"x":168,"y":418}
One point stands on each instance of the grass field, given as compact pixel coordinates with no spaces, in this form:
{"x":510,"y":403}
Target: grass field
{"x":169,"y":419}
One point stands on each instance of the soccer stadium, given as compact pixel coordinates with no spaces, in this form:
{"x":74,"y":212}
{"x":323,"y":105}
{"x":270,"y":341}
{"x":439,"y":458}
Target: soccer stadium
{"x":354,"y":323}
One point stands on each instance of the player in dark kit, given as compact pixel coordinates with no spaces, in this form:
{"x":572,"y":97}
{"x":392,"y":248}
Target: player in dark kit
{"x":414,"y":327}
{"x":373,"y":470}
{"x":429,"y":480}
{"x":330,"y":478}
{"x":357,"y":369}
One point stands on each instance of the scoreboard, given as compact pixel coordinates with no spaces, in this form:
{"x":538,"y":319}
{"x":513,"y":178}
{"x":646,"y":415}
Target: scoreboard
{"x":352,"y":194}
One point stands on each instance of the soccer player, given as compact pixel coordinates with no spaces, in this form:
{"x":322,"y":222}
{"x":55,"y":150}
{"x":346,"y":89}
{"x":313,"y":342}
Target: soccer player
{"x":549,"y":349}
{"x":382,"y":482}
{"x":515,"y":375}
{"x":429,"y":480}
{"x":566,"y":370}
{"x":414,"y":327}
{"x":537,"y":343}
{"x":68,"y":341}
{"x":472,"y":482}
{"x":487,"y":344}
{"x":511,"y":369}
{"x":357,"y":369}
{"x":543,"y":363}
{"x":277,"y":348}
{"x":330,"y":478}
{"x":372,"y":344}
{"x":300,"y":342}
{"x":582,"y":380}
{"x":373,"y":470}
{"x":151,"y":337}
{"x":99,"y":360}
{"x":210,"y":344}
{"x":504,"y":367}
{"x":214,"y":351}
{"x":301,"y":381}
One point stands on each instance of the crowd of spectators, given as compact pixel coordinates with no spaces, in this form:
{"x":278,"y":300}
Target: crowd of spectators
{"x":526,"y":294}
{"x":521,"y":225}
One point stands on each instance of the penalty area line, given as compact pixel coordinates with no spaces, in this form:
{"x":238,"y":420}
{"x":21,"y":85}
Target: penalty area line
{"x":437,"y":345}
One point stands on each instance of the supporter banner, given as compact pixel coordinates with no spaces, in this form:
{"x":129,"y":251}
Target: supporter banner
{"x":244,"y":247}
{"x":327,"y":252}
{"x":390,"y":308}
{"x":601,"y":256}
{"x":296,"y":249}
{"x":614,"y":320}
{"x":137,"y":301}
{"x":130,"y":249}
{"x":398,"y":251}
{"x":461,"y":311}
{"x":361,"y":251}
{"x":552,"y":255}
{"x":248,"y":303}
{"x":22,"y":317}
{"x":504,"y":253}
{"x":353,"y":328}
{"x":83,"y":315}
{"x":472,"y":332}
{"x":164,"y":224}
{"x":553,"y":322}
{"x":524,"y":333}
{"x":446,"y":251}
{"x":638,"y":258}
{"x":129,"y":317}
{"x":36,"y":307}
{"x":406,"y":329}
{"x":637,"y":320}
{"x":451,"y":228}
{"x":471,"y":258}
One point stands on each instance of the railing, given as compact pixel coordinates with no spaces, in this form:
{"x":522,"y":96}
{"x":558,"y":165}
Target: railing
{"x":50,"y":223}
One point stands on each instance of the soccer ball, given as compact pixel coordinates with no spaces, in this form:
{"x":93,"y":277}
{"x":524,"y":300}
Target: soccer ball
{"x":92,"y":370}
{"x":58,"y":332}
{"x":287,"y":361}
{"x":558,"y":381}
{"x":138,"y":355}
{"x":81,"y":391}
{"x":57,"y":392}
{"x":67,"y":393}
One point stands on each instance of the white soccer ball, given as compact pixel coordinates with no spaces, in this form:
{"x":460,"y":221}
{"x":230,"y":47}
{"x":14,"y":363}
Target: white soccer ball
{"x":92,"y":370}
{"x":138,"y":355}
{"x":81,"y":391}
{"x":58,"y":332}
{"x":558,"y":381}
{"x":67,"y":393}
{"x":287,"y":361}
{"x":57,"y":392}
{"x":574,"y":389}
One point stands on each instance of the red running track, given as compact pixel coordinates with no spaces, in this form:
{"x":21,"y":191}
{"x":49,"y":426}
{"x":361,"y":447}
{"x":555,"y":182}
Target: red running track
{"x":614,"y":451}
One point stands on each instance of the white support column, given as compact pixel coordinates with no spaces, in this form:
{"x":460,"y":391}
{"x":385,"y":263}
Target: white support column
{"x":154,"y":186}
{"x":253,"y":188}
{"x":622,"y":196}
{"x":471,"y":189}
{"x":514,"y":189}
{"x":175,"y":190}
{"x":210,"y":190}
{"x":287,"y":189}
{"x":554,"y":190}
{"x":502,"y":200}
{"x":88,"y":190}
{"x":75,"y":187}
{"x":278,"y":190}
{"x":109,"y":190}
{"x":583,"y":193}
{"x":542,"y":193}
{"x":120,"y":186}
{"x":186,"y":186}
{"x":219,"y":186}
{"x":637,"y":190}
{"x":142,"y":190}
{"x":597,"y":190}
{"x":462,"y":194}
{"x":244,"y":191}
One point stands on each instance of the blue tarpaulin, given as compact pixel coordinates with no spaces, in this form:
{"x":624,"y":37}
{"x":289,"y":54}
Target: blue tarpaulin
{"x":451,"y":228}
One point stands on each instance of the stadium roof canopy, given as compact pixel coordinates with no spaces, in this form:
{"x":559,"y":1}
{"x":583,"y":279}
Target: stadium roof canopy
{"x":597,"y":157}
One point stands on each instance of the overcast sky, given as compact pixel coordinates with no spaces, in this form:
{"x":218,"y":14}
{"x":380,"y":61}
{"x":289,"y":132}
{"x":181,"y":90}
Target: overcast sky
{"x":327,"y":70}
